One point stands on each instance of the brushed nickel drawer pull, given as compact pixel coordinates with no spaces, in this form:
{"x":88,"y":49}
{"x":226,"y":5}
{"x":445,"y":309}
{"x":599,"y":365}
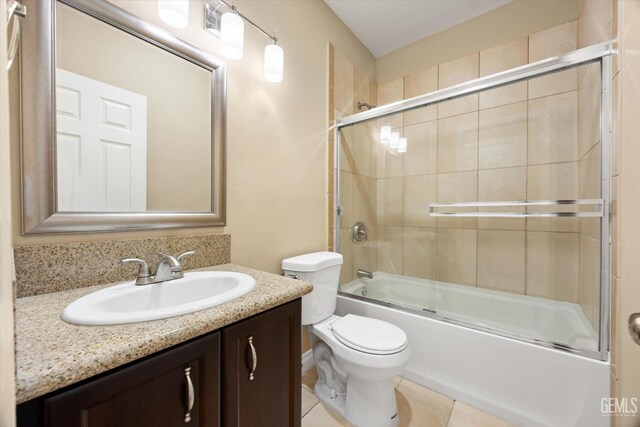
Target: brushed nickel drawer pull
{"x":190,"y":395}
{"x":254,"y":359}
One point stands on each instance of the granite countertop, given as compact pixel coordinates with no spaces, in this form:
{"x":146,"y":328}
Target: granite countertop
{"x":51,"y":354}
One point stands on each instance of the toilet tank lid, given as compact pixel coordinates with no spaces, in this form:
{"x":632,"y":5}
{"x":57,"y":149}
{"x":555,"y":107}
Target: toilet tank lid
{"x":312,"y":262}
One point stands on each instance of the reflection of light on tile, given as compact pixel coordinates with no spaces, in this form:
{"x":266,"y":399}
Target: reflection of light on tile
{"x":420,"y":406}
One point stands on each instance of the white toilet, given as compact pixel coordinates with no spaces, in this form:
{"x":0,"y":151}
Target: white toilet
{"x":356,"y":357}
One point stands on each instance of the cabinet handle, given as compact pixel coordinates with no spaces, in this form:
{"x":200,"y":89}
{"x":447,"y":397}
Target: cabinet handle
{"x":190,"y":395}
{"x":254,"y":359}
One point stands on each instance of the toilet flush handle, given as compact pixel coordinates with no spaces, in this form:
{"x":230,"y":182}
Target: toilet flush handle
{"x":293,"y":276}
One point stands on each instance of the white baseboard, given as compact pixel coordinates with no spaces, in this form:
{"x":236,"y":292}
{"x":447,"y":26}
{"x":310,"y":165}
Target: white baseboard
{"x":307,"y":360}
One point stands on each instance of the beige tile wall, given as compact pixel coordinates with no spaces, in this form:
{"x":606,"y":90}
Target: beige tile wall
{"x":531,"y":140}
{"x":358,"y":165}
{"x":511,"y":143}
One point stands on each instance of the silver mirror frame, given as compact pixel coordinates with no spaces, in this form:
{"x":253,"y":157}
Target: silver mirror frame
{"x":38,"y":126}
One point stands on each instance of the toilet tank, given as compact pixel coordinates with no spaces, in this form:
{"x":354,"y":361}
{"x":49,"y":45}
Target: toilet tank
{"x":323,"y":270}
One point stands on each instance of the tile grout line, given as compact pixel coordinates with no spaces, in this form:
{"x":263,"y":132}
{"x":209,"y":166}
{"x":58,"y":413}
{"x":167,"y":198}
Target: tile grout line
{"x":451,"y":412}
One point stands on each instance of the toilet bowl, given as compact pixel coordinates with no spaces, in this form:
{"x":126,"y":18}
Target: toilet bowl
{"x":356,"y":357}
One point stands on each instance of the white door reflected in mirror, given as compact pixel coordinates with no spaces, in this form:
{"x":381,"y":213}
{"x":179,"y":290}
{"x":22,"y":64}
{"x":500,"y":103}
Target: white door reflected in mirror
{"x":101,"y":150}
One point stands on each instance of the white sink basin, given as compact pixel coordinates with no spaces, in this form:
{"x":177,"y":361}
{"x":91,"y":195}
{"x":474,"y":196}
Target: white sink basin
{"x":128,"y":303}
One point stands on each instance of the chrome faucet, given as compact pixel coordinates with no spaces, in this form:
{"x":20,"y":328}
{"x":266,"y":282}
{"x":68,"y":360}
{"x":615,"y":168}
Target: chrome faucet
{"x":169,"y":268}
{"x":364,"y":273}
{"x":144,"y":273}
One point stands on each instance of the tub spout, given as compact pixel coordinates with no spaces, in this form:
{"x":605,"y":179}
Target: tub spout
{"x":364,"y":273}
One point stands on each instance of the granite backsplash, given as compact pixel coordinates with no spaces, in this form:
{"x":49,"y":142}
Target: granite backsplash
{"x":42,"y":269}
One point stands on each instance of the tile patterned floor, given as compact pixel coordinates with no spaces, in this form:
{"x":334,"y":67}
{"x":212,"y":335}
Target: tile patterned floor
{"x":417,"y":406}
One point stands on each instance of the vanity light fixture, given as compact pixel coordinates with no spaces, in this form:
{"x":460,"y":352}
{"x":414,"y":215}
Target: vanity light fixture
{"x":232,"y":34}
{"x":174,"y":12}
{"x":230,"y":27}
{"x":385,"y":134}
{"x":273,"y":63}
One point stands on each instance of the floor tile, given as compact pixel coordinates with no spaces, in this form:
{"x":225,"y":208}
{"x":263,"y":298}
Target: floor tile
{"x":309,"y":378}
{"x":468,"y":416}
{"x":419,"y":406}
{"x":309,"y":400}
{"x":321,"y":416}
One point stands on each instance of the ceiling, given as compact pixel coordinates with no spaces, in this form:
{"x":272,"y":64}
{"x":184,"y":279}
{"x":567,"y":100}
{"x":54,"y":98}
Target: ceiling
{"x":386,"y":25}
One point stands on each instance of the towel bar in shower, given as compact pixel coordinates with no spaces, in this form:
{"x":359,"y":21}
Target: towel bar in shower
{"x":596,"y":212}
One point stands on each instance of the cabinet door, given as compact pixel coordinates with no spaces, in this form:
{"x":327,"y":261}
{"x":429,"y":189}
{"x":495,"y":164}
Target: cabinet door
{"x":154,"y":392}
{"x":269,"y":395}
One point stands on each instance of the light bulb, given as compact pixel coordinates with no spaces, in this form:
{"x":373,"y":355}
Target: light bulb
{"x":402,"y":145}
{"x":231,"y":35}
{"x":394,"y":140}
{"x":385,"y":134}
{"x":174,"y":12}
{"x":273,"y":63}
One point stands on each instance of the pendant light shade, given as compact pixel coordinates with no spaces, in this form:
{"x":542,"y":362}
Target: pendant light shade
{"x":273,"y":63}
{"x":174,"y":12}
{"x":385,"y":134}
{"x":231,"y":35}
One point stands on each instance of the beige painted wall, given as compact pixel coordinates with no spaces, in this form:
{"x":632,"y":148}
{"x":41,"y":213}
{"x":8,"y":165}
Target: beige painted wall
{"x":276,"y":138}
{"x":516,"y":19}
{"x":178,"y":104}
{"x":7,"y":382}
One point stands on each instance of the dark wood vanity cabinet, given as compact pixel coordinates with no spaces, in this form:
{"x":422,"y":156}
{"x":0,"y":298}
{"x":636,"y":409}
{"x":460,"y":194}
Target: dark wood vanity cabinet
{"x":154,"y":392}
{"x":213,"y":370}
{"x":262,"y":370}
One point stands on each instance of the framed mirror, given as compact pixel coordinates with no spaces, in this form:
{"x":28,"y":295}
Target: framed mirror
{"x":123,"y":124}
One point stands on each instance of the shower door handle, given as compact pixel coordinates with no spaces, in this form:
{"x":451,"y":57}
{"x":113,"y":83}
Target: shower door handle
{"x":634,"y":327}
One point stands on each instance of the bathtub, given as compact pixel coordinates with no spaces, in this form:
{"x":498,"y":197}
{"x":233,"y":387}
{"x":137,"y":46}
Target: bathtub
{"x":521,"y":382}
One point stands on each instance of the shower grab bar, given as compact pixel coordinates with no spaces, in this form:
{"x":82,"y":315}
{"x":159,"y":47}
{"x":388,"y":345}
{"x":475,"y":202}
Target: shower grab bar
{"x":597,"y":212}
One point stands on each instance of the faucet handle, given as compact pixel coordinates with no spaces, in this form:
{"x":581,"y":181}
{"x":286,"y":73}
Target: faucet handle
{"x":144,"y":273}
{"x":184,"y":255}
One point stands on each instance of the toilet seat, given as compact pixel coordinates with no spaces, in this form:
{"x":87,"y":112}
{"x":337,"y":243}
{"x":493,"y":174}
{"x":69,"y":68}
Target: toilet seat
{"x":368,"y":335}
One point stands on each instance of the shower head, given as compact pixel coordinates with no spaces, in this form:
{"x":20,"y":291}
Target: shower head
{"x":366,"y":105}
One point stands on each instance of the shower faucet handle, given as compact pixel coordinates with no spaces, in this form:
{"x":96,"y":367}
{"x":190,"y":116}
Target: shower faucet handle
{"x":359,"y":232}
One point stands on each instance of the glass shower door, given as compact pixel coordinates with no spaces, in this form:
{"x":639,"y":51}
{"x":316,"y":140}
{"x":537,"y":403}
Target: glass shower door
{"x":519,"y":209}
{"x":486,"y":210}
{"x":383,"y":229}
